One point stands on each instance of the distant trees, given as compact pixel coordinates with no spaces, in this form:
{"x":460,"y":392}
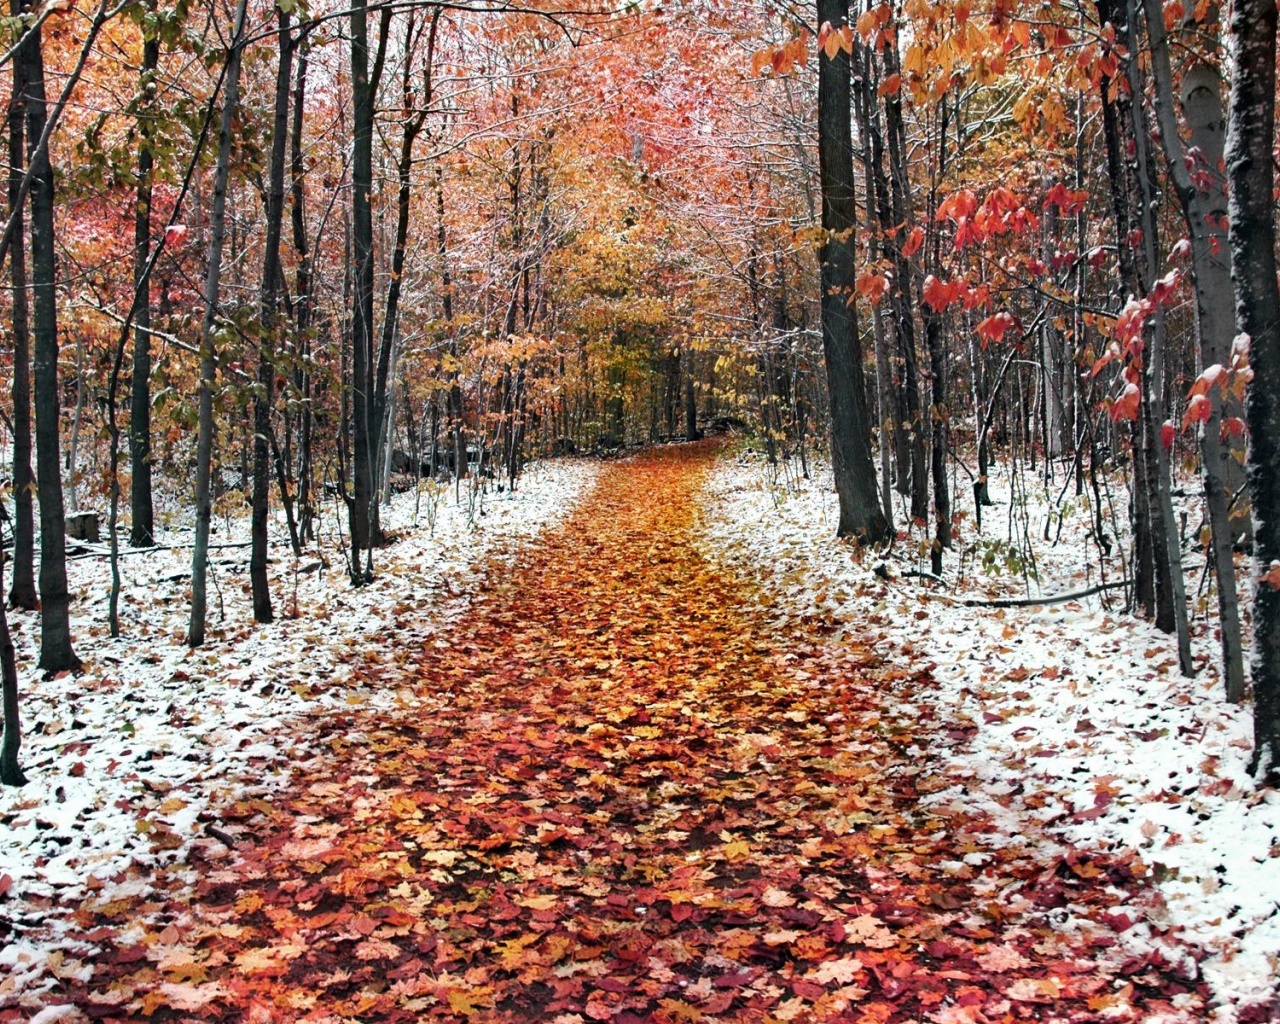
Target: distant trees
{"x":512,"y":233}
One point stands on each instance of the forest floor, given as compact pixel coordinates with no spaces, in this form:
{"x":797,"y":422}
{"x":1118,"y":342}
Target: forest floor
{"x":628,"y":779}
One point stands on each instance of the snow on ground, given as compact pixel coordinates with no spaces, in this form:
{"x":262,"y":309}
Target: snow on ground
{"x":1074,"y":713}
{"x":128,"y":762}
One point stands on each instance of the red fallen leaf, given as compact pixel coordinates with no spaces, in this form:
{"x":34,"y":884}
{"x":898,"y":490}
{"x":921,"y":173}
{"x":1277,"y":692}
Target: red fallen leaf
{"x":736,"y":979}
{"x":6,"y":882}
{"x":1118,"y":921}
{"x":613,"y":985}
{"x":681,"y":911}
{"x":991,"y":718}
{"x":76,"y":771}
{"x":807,"y":989}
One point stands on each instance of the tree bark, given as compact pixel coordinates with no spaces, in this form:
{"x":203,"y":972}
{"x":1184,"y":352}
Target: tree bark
{"x":269,"y":304}
{"x":1250,"y":143}
{"x":861,"y":515}
{"x":302,"y":302}
{"x":22,"y":594}
{"x":56,"y":654}
{"x":1171,"y":600}
{"x":208,"y":347}
{"x":1203,"y":209}
{"x":363,"y":400}
{"x":142,"y":529}
{"x":10,"y":768}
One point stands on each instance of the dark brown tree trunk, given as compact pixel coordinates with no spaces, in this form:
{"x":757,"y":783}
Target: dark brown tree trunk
{"x":860,"y":513}
{"x":142,"y":528}
{"x":900,"y":206}
{"x":10,"y":768}
{"x":56,"y":654}
{"x":22,"y":594}
{"x":1171,"y":605}
{"x":364,"y":400}
{"x":208,"y":351}
{"x":264,"y":397}
{"x":302,"y":303}
{"x":1250,"y":145}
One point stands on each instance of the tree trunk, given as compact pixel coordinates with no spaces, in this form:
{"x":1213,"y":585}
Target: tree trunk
{"x":363,"y":400}
{"x":264,"y":395}
{"x":1250,"y":143}
{"x":142,"y":529}
{"x":208,"y":353}
{"x":1171,"y":601}
{"x":56,"y":654}
{"x":10,"y":768}
{"x":1204,"y":208}
{"x":860,"y":513}
{"x":302,"y":303}
{"x":691,"y":432}
{"x":22,"y":594}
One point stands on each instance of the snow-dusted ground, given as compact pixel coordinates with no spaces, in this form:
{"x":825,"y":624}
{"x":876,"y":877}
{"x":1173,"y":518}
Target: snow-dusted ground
{"x":127,"y":762}
{"x":1082,"y":720}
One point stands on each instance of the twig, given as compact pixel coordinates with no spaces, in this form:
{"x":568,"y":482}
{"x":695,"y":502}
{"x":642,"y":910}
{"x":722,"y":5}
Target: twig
{"x":224,"y":837}
{"x":1028,"y":602}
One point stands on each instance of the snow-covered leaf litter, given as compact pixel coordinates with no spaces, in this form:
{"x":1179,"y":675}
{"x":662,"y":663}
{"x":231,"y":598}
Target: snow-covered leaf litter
{"x":1066,"y":714}
{"x":128,"y":762}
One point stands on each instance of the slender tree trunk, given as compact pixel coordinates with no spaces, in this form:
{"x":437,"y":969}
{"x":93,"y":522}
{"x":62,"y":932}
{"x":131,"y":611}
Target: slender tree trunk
{"x":691,"y":432}
{"x":10,"y":768}
{"x":264,"y":396}
{"x":860,"y":513}
{"x":1250,"y":144}
{"x":208,"y":353}
{"x":302,"y":304}
{"x":1171,"y":601}
{"x":56,"y":654}
{"x":363,"y":401}
{"x":23,"y":592}
{"x":142,"y":529}
{"x":1203,"y":209}
{"x":900,"y":205}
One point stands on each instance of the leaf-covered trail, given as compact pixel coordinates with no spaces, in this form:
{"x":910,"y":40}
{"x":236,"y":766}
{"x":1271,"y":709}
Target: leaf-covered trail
{"x":618,"y":791}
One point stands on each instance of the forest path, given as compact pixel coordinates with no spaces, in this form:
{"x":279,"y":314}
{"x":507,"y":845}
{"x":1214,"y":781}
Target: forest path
{"x":615,"y":790}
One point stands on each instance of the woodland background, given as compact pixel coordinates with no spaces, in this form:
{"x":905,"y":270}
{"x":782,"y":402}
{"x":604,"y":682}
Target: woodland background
{"x":276,"y":259}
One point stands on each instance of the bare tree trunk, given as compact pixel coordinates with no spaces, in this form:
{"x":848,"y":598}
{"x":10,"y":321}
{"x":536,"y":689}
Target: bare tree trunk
{"x":1203,"y":209}
{"x":142,"y":528}
{"x":1171,"y":599}
{"x":10,"y":768}
{"x":23,"y":592}
{"x":860,"y":513}
{"x":302,"y":304}
{"x":208,"y":353}
{"x":269,"y":304}
{"x":1250,"y":144}
{"x":56,"y":654}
